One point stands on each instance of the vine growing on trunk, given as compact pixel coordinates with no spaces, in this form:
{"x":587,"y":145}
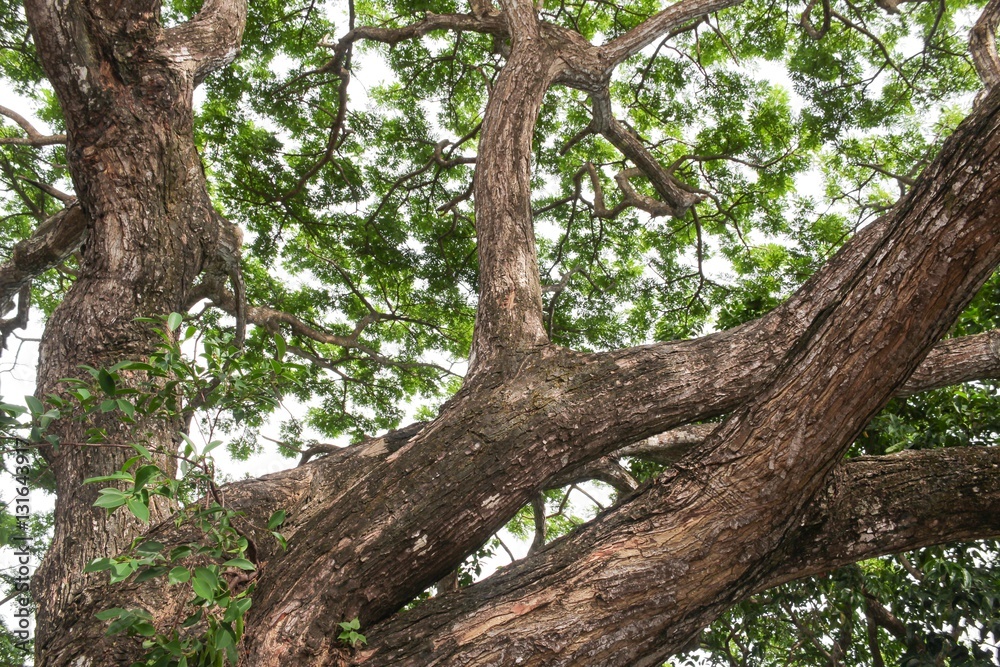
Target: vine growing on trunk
{"x":220,"y":564}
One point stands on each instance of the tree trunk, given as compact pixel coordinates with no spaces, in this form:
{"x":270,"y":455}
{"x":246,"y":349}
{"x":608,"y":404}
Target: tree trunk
{"x":151,"y":232}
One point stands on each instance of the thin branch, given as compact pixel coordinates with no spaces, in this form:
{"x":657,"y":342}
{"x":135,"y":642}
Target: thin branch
{"x":605,"y":469}
{"x":49,"y":190}
{"x":34,"y":138}
{"x":917,"y":575}
{"x":806,"y":20}
{"x":677,"y":197}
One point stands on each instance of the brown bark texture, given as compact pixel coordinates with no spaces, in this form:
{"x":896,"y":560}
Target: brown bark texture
{"x":763,"y":498}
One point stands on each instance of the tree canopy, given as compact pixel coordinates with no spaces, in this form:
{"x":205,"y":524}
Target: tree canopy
{"x":732,"y":260}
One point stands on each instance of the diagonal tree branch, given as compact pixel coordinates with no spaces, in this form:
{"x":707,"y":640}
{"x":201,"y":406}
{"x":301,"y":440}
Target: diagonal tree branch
{"x":916,"y":499}
{"x":620,"y":48}
{"x":951,"y":362}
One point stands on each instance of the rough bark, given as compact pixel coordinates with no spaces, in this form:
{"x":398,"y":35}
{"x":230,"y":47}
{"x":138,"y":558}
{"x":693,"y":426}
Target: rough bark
{"x":549,"y":617}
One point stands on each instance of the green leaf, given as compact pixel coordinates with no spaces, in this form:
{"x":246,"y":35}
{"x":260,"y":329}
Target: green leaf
{"x":205,"y":582}
{"x":178,"y":575}
{"x":106,"y":382}
{"x":122,"y":624}
{"x":281,"y":539}
{"x":223,"y":639}
{"x":142,"y":450}
{"x":126,"y":407}
{"x":189,"y":448}
{"x":134,"y":366}
{"x":108,"y":614}
{"x":34,"y":405}
{"x":138,"y":508}
{"x":116,"y":476}
{"x":121,"y":571}
{"x":192,"y":619}
{"x":144,"y":474}
{"x":149,"y":547}
{"x":110,"y":499}
{"x":210,"y":446}
{"x":174,"y":320}
{"x":276,"y":519}
{"x":180,"y":553}
{"x":280,"y":345}
{"x":98,"y":565}
{"x":149,"y":573}
{"x":241,"y":563}
{"x":144,"y":628}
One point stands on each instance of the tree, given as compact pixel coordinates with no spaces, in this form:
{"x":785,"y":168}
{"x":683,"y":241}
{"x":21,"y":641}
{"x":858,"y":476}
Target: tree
{"x":622,"y":144}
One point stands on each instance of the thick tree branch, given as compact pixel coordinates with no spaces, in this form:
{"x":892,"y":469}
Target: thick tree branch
{"x":950,"y":362}
{"x":957,"y":360}
{"x":51,"y":243}
{"x":509,"y":315}
{"x":605,"y":469}
{"x":522,"y":20}
{"x":209,"y":41}
{"x":669,"y":447}
{"x":879,"y":505}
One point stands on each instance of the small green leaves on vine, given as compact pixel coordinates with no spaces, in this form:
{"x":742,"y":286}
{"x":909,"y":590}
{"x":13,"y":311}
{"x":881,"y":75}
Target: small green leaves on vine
{"x":349,"y":633}
{"x":220,"y":567}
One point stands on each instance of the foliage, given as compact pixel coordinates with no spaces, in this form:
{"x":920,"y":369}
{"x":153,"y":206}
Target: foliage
{"x":166,"y":386}
{"x":349,"y":633}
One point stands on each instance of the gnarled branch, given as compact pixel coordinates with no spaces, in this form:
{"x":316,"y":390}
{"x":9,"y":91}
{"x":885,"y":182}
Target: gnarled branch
{"x":209,"y":40}
{"x":51,"y":243}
